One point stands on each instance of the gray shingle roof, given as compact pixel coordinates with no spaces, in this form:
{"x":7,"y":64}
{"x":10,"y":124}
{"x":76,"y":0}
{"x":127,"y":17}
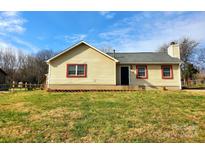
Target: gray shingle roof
{"x":144,"y":57}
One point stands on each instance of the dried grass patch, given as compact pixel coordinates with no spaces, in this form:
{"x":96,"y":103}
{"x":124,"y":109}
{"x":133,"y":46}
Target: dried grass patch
{"x":152,"y":133}
{"x":59,"y":113}
{"x":14,"y":131}
{"x":17,"y":106}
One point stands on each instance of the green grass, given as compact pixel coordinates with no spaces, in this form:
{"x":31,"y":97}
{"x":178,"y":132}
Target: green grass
{"x":142,"y":116}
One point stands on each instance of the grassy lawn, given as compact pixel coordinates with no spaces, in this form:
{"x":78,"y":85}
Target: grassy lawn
{"x":142,"y":116}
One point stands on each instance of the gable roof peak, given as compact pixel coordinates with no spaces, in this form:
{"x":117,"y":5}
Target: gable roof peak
{"x":77,"y":44}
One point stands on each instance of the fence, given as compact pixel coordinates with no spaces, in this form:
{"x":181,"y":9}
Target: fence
{"x":191,"y":84}
{"x":194,"y":84}
{"x":21,"y":87}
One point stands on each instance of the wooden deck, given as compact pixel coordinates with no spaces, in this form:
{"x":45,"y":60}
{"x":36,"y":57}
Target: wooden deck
{"x":78,"y":88}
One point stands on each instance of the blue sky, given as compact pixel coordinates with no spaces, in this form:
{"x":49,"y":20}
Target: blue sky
{"x":123,"y":31}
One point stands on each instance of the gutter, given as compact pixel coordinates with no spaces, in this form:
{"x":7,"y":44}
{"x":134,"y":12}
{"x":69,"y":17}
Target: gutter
{"x":150,"y":62}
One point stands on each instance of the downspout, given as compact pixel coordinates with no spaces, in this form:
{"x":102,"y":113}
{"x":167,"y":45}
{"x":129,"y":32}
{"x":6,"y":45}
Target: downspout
{"x":48,"y":78}
{"x":180,"y":83}
{"x":115,"y":68}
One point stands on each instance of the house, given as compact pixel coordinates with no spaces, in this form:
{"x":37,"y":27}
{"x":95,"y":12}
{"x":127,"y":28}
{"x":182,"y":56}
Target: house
{"x":83,"y":66}
{"x":3,"y":77}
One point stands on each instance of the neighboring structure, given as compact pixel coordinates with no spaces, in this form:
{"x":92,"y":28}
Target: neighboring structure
{"x":82,"y":66}
{"x":3,"y":76}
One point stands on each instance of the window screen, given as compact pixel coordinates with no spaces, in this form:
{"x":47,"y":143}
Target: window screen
{"x":80,"y":69}
{"x":71,"y":69}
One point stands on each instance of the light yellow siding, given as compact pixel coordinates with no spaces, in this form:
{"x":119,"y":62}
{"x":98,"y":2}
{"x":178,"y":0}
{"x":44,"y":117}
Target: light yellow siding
{"x":100,"y":69}
{"x":154,"y":77}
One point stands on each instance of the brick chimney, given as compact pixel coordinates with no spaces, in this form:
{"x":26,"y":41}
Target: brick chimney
{"x":174,"y":50}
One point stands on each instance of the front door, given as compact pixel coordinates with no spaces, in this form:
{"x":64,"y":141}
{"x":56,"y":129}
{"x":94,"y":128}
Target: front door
{"x":124,"y":75}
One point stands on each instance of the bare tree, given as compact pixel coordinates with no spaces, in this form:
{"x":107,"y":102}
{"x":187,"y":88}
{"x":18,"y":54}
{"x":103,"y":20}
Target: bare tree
{"x":107,"y":49}
{"x":9,"y":61}
{"x":42,"y":67}
{"x":163,"y":48}
{"x":199,"y":58}
{"x":24,"y":67}
{"x":187,"y":47}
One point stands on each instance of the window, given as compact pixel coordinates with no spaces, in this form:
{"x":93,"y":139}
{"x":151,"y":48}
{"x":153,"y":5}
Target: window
{"x":141,"y":72}
{"x":71,"y":70}
{"x":81,"y":69}
{"x":167,"y":72}
{"x":76,"y":70}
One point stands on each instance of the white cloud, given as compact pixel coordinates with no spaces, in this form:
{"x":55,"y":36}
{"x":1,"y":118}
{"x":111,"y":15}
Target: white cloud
{"x":147,"y":31}
{"x":17,"y":44}
{"x":107,"y":14}
{"x":4,"y":44}
{"x":11,"y":22}
{"x":10,"y":13}
{"x":40,"y":37}
{"x":74,"y":37}
{"x":116,"y":33}
{"x":26,"y":44}
{"x":11,"y":26}
{"x":104,"y":12}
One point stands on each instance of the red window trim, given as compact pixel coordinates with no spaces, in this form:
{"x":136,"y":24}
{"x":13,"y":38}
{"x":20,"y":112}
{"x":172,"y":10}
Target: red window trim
{"x":76,"y":76}
{"x":146,"y":72}
{"x":171,"y":72}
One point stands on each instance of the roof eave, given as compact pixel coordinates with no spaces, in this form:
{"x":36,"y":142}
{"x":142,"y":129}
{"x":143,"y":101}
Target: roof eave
{"x":3,"y":72}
